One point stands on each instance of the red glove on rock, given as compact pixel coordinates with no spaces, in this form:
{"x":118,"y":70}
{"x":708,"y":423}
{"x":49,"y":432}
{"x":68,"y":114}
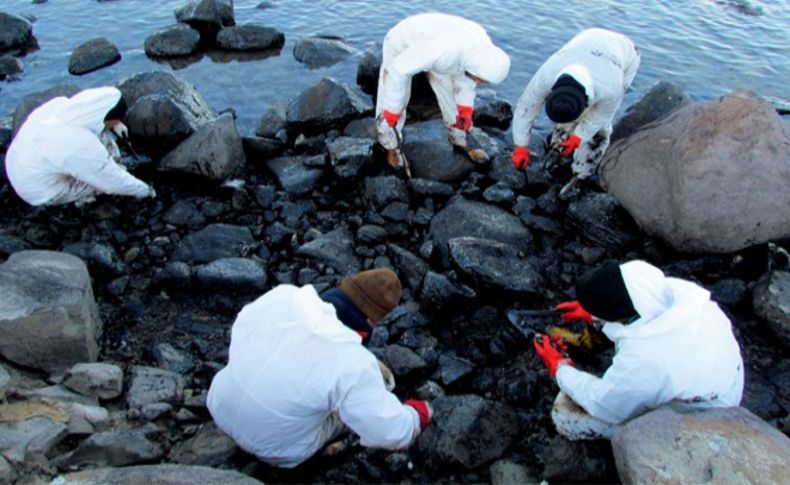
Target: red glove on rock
{"x":391,"y":118}
{"x":423,"y":409}
{"x":550,"y":355}
{"x":570,"y":144}
{"x":520,"y":158}
{"x":572,"y":310}
{"x":463,"y":121}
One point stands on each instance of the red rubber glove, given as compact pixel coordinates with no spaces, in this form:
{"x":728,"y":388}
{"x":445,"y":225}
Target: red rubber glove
{"x":391,"y":118}
{"x":463,"y":121}
{"x":552,"y":358}
{"x":570,"y":144}
{"x":572,"y":310}
{"x":520,"y":158}
{"x":423,"y":409}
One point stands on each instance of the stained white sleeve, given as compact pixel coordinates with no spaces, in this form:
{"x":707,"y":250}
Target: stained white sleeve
{"x":465,"y":91}
{"x":417,"y":58}
{"x":374,"y":413}
{"x":529,"y":105}
{"x":597,"y":116}
{"x":631,"y":67}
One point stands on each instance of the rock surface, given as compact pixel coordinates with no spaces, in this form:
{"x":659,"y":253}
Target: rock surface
{"x":430,"y":154}
{"x":213,"y":242}
{"x":10,"y":68}
{"x":176,"y":40}
{"x":297,"y":175}
{"x":214,"y":151}
{"x":496,"y":264}
{"x":771,"y":299}
{"x":92,"y":55}
{"x":207,"y":16}
{"x":334,"y":249}
{"x":166,"y":473}
{"x":663,"y":98}
{"x":249,"y":37}
{"x":99,"y":380}
{"x":327,"y":104}
{"x":16,"y":33}
{"x":321,"y":51}
{"x":209,"y":447}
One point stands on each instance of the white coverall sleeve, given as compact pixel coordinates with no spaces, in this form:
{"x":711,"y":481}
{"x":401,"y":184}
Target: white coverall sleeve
{"x":465,"y":91}
{"x":88,"y":161}
{"x":417,"y":58}
{"x":89,"y":107}
{"x":529,"y":105}
{"x":375,"y":414}
{"x":597,"y":116}
{"x":625,"y":389}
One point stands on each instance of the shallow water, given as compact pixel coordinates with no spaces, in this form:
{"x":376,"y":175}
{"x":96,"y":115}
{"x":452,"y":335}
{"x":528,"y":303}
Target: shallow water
{"x":710,"y":46}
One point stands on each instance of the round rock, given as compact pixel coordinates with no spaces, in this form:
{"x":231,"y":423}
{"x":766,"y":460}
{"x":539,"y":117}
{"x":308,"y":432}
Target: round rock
{"x":93,"y":55}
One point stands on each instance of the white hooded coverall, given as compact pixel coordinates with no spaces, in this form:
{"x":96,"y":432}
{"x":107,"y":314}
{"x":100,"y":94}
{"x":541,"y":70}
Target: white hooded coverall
{"x":445,"y":46}
{"x":681,"y":351}
{"x":605,"y":64}
{"x":57,"y":156}
{"x":293,"y":370}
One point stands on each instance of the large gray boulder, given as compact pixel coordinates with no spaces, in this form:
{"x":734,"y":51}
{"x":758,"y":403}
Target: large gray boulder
{"x":462,"y":217}
{"x":92,"y":55}
{"x":48,"y":316}
{"x":249,"y":37}
{"x":725,"y":445}
{"x":16,"y":33}
{"x":335,"y":249}
{"x":214,"y":151}
{"x":430,"y":154}
{"x":349,"y":155}
{"x":163,"y":110}
{"x":321,"y":51}
{"x":329,"y":104}
{"x":207,"y":16}
{"x":172,"y":41}
{"x":34,"y":100}
{"x":710,"y":177}
{"x":771,"y":299}
{"x":495,"y":264}
{"x":663,"y":98}
{"x":166,"y":474}
{"x":467,"y":431}
{"x":297,"y":175}
{"x":213,"y":242}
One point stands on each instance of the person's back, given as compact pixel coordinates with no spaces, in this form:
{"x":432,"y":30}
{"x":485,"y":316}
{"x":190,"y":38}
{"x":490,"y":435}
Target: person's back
{"x":446,"y":31}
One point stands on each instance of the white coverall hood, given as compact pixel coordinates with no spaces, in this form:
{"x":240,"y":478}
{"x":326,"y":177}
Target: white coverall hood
{"x":487,"y":62}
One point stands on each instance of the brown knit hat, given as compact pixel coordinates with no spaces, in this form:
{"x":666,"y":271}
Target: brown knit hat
{"x":375,"y":292}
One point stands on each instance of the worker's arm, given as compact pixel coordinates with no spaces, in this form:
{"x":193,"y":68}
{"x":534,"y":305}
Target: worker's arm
{"x":464,"y":89}
{"x":417,"y":58}
{"x":529,"y":106}
{"x":598,"y":116}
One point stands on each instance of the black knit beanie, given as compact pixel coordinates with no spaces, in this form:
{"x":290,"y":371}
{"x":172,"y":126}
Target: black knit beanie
{"x":602,"y":293}
{"x":566,"y":101}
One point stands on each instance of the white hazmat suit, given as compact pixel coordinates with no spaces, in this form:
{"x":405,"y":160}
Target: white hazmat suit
{"x":605,"y":64}
{"x":58,"y":157}
{"x":681,"y":350}
{"x":295,"y":375}
{"x":446,"y":47}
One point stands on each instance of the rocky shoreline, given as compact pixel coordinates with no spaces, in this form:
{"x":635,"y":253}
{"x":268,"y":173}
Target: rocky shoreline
{"x":147,"y":290}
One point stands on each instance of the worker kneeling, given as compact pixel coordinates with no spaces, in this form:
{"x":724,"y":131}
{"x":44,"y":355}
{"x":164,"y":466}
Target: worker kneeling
{"x":66,"y":152}
{"x":673,"y":346}
{"x":298,"y":374}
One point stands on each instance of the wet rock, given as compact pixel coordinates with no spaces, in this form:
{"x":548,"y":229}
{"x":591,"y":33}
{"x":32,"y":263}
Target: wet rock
{"x":403,"y":361}
{"x":172,"y":41}
{"x":209,"y":447}
{"x":348,"y":156}
{"x":231,"y":274}
{"x":499,"y":192}
{"x":34,"y":100}
{"x":600,"y":219}
{"x":163,"y":109}
{"x":453,"y":369}
{"x":207,"y":16}
{"x":467,"y":431}
{"x":368,"y":69}
{"x":411,"y":269}
{"x":730,"y":291}
{"x":169,"y":358}
{"x":16,"y":33}
{"x":505,"y":472}
{"x":214,"y":151}
{"x":462,"y":217}
{"x":10,"y":68}
{"x":361,"y":128}
{"x":166,"y":473}
{"x":771,"y":299}
{"x":97,"y":380}
{"x":329,"y":104}
{"x":257,"y":149}
{"x":92,"y":55}
{"x":213,"y":242}
{"x":664,"y":446}
{"x":158,"y":410}
{"x":58,"y":394}
{"x":273,"y":121}
{"x":6,"y":131}
{"x":429,"y":391}
{"x":174,"y":276}
{"x":371,"y":234}
{"x":431,"y":188}
{"x":150,"y":385}
{"x":490,"y":110}
{"x":184,"y":213}
{"x":439,"y":292}
{"x":335,"y":249}
{"x":48,"y":316}
{"x":710,"y":177}
{"x":101,"y":258}
{"x":250,"y":37}
{"x":113,"y":448}
{"x":30,"y":440}
{"x":382,"y":190}
{"x":11,"y":244}
{"x":5,"y":379}
{"x":578,"y":462}
{"x":295,"y":174}
{"x":7,"y":474}
{"x":663,"y":98}
{"x":430,"y":154}
{"x":491,"y":263}
{"x":321,"y":51}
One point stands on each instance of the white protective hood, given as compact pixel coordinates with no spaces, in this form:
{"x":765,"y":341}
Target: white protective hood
{"x":681,"y":350}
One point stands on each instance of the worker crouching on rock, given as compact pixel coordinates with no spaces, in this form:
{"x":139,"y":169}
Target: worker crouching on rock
{"x":457,"y":55}
{"x":581,"y":87}
{"x":66,"y":152}
{"x":673,"y":345}
{"x":298,"y":374}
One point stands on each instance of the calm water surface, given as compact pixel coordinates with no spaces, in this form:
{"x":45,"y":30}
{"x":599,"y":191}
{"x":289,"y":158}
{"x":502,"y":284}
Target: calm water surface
{"x":710,"y":46}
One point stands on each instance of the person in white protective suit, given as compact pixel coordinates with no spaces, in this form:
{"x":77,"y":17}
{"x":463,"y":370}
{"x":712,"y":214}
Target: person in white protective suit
{"x":65,"y":152}
{"x":298,"y":374}
{"x":457,"y":55}
{"x":581,"y":86}
{"x":677,"y":347}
